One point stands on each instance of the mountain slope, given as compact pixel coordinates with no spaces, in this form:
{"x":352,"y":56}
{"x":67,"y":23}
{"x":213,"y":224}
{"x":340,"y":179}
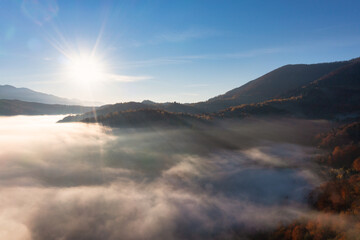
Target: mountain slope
{"x":128,"y":106}
{"x":271,"y":85}
{"x":16,"y":107}
{"x":28,"y":95}
{"x":335,"y":95}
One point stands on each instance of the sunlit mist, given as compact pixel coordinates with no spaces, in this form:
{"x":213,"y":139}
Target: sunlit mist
{"x":69,"y":180}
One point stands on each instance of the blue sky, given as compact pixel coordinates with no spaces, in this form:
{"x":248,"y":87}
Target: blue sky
{"x":183,"y":51}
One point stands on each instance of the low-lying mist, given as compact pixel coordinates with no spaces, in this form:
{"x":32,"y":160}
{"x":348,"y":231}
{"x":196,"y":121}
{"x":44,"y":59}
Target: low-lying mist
{"x":84,"y":181}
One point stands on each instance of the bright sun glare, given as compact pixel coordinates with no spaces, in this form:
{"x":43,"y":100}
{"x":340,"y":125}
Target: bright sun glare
{"x":85,"y":69}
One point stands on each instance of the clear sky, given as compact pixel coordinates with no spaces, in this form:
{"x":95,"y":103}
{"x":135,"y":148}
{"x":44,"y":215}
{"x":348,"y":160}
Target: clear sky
{"x":166,"y":50}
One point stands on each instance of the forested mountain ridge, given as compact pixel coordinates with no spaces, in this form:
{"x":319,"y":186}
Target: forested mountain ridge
{"x":271,"y":85}
{"x":133,"y":106}
{"x":335,"y":95}
{"x":144,"y":118}
{"x":332,"y":95}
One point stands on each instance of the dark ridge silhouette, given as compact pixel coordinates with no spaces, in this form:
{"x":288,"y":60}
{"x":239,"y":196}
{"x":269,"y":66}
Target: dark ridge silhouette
{"x":128,"y":106}
{"x":271,"y":85}
{"x":16,"y":107}
{"x":145,"y":118}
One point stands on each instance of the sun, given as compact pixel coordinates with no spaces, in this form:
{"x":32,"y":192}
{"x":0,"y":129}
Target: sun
{"x":85,"y":68}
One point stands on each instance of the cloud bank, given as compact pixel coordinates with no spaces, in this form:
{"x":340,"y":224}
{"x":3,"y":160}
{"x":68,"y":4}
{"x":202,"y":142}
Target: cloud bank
{"x":78,"y":181}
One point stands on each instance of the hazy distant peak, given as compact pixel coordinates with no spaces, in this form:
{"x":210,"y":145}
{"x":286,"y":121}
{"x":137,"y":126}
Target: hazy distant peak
{"x":25,"y":94}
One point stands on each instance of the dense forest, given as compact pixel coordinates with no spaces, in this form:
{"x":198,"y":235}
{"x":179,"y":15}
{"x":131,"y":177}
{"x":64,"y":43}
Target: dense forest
{"x":339,"y":196}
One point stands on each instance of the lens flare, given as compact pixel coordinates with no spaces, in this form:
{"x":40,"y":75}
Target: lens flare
{"x":85,"y":68}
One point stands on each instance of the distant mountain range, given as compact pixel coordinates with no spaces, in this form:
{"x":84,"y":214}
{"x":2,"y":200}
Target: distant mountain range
{"x":16,"y":107}
{"x":24,"y":101}
{"x":24,"y":94}
{"x":325,"y":90}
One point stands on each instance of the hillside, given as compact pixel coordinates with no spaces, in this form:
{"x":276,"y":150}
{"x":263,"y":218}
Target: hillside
{"x":335,"y":95}
{"x":340,"y":194}
{"x":129,"y":106}
{"x":270,"y":85}
{"x":144,"y":118}
{"x":16,"y":107}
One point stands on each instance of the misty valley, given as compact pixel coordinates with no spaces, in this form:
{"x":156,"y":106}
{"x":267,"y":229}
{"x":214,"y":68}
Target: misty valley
{"x":87,"y":181}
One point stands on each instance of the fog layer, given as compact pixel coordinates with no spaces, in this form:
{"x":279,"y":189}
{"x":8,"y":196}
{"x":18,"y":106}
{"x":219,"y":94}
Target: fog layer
{"x":79,"y":181}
